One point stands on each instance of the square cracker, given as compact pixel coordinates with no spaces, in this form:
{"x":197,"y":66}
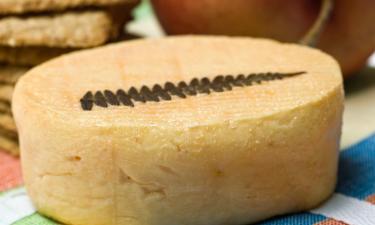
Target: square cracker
{"x":5,"y":107}
{"x":29,"y":56}
{"x":6,"y":93}
{"x":75,"y":29}
{"x":8,"y":135}
{"x":10,"y":74}
{"x":22,"y":6}
{"x":7,"y":124}
{"x":9,"y":145}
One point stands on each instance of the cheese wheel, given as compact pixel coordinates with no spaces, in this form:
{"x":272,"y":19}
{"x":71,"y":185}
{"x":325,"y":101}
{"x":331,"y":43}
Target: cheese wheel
{"x":191,"y":130}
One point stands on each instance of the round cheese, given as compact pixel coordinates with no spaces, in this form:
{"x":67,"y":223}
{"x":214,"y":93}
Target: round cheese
{"x":191,"y":130}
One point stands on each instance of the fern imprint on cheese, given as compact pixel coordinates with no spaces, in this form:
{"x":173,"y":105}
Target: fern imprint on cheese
{"x":158,"y":93}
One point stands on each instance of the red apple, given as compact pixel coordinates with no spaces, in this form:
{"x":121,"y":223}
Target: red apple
{"x":348,"y":35}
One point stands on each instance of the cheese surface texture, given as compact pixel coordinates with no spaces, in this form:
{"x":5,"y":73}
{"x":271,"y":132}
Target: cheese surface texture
{"x":190,"y":130}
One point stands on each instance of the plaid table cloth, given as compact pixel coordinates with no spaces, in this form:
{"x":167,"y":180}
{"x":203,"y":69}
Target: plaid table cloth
{"x":353,"y":202}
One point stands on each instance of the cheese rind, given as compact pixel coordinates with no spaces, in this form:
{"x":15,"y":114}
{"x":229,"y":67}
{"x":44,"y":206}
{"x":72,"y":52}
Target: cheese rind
{"x":230,"y":157}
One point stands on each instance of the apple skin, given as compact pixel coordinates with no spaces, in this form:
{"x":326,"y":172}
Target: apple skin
{"x":349,"y":34}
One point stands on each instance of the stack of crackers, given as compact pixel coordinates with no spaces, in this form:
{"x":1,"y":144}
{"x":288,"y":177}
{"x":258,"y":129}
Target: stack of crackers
{"x":33,"y":31}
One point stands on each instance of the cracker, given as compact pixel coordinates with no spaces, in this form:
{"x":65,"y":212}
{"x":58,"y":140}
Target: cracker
{"x":22,"y":6}
{"x":10,"y":74}
{"x":5,"y":107}
{"x":8,"y":134}
{"x":7,"y":123}
{"x":29,"y":56}
{"x":6,"y":92}
{"x":78,"y":29}
{"x":9,"y":145}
